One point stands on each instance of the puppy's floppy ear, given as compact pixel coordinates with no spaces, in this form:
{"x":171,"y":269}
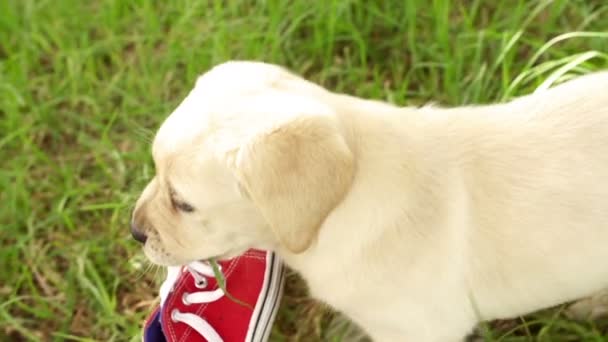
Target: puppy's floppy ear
{"x":296,"y":173}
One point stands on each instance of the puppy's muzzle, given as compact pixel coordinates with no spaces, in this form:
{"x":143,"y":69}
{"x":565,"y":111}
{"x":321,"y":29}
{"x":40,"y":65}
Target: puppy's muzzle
{"x":138,"y":234}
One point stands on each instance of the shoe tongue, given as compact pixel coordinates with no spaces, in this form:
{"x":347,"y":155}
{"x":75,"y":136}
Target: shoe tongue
{"x":166,"y":287}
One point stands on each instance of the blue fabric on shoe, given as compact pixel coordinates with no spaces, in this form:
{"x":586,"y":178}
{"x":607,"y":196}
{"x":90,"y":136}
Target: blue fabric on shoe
{"x":154,"y":331}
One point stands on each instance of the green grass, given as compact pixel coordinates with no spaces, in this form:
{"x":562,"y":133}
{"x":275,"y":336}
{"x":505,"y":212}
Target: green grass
{"x":84,"y":84}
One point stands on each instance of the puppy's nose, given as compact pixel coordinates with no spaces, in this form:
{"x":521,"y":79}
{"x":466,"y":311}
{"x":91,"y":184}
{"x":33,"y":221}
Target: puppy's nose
{"x":137,"y":234}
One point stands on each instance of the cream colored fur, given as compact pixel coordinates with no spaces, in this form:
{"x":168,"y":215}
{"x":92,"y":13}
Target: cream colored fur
{"x":417,"y":223}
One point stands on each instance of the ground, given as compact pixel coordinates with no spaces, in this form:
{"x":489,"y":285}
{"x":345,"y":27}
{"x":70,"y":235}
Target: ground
{"x":84,"y":85}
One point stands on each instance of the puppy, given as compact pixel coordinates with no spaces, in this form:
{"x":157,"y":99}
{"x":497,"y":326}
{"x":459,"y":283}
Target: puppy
{"x":416,"y":223}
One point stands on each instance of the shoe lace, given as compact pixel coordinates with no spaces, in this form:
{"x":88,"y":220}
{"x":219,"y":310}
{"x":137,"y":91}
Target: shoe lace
{"x":200,"y":271}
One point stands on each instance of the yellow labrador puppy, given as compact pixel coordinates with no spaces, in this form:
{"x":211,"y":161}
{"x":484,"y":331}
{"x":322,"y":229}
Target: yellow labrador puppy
{"x":416,"y":223}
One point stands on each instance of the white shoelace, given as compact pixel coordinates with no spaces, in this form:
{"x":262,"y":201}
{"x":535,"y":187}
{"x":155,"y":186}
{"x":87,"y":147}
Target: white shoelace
{"x":199,"y":271}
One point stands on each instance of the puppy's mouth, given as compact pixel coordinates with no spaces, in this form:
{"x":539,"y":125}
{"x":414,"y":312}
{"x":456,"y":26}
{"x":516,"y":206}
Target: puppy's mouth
{"x":230,"y":254}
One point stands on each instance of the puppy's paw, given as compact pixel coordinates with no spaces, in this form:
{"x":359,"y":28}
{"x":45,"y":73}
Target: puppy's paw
{"x":590,"y":308}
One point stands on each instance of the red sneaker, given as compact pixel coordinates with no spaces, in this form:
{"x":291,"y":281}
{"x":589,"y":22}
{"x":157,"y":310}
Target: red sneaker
{"x":194,"y":308}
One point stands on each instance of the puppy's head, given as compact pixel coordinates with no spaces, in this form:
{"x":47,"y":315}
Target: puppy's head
{"x":252,"y":158}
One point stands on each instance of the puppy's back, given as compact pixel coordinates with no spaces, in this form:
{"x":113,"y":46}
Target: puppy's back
{"x":539,"y":196}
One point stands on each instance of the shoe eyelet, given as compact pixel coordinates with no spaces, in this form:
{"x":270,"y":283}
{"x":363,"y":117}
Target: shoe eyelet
{"x":201,"y":283}
{"x":174,"y":314}
{"x":185,"y":299}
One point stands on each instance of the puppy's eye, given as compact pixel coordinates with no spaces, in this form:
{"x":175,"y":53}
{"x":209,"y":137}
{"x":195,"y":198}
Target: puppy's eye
{"x":185,"y":207}
{"x":176,"y":203}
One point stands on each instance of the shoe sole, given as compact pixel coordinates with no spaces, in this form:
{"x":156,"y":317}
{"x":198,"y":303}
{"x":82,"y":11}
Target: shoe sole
{"x":267,"y":306}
